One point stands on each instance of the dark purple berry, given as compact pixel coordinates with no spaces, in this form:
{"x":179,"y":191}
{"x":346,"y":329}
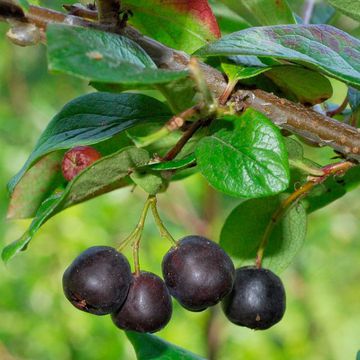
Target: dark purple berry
{"x":148,"y":306}
{"x":257,"y":300}
{"x":198,"y":272}
{"x":98,"y":280}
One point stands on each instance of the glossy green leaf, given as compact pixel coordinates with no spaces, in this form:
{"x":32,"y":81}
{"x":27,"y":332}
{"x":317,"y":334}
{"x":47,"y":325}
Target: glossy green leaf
{"x":174,"y":164}
{"x":102,"y":57}
{"x":104,"y":175}
{"x":301,"y":85}
{"x":263,"y":12}
{"x":151,"y":347}
{"x":184,"y":25}
{"x":244,"y":228}
{"x":236,"y":72}
{"x":350,"y":8}
{"x":250,"y":161}
{"x":93,"y":118}
{"x":320,"y":47}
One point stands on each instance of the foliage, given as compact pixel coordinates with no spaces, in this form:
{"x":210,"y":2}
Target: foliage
{"x":242,"y":155}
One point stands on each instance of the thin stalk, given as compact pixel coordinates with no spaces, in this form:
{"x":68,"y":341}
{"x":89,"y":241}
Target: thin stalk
{"x":160,"y":225}
{"x":328,"y":170}
{"x":172,"y":153}
{"x":135,"y":236}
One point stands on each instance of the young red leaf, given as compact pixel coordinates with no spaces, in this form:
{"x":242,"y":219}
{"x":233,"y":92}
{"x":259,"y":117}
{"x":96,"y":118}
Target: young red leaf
{"x":182,"y":24}
{"x":201,"y":10}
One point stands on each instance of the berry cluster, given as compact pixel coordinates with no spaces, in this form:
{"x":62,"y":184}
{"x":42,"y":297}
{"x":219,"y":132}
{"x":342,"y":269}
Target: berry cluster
{"x":196,"y":272}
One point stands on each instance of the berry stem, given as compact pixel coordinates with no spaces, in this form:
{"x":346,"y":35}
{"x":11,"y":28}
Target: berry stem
{"x":285,"y":205}
{"x":135,"y":236}
{"x":160,"y":225}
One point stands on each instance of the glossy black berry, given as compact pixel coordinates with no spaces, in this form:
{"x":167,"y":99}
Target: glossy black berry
{"x":148,"y":306}
{"x":198,"y":272}
{"x":257,"y":300}
{"x":98,"y":280}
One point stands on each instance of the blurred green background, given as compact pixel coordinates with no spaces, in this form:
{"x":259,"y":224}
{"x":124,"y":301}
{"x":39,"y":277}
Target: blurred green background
{"x":322,"y":320}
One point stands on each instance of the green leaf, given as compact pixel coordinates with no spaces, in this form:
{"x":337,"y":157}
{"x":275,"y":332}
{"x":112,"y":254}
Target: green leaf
{"x":91,"y":119}
{"x":102,"y":57}
{"x":301,"y":85}
{"x":45,"y":210}
{"x":250,"y":161}
{"x":350,"y":8}
{"x":183,"y":25}
{"x":24,"y":4}
{"x":150,"y":181}
{"x":320,"y":47}
{"x":174,"y":164}
{"x":236,"y":72}
{"x":244,"y":228}
{"x":104,"y":175}
{"x":298,"y":161}
{"x":35,"y":186}
{"x":151,"y":347}
{"x":227,"y":19}
{"x":263,"y":12}
{"x":180,"y":94}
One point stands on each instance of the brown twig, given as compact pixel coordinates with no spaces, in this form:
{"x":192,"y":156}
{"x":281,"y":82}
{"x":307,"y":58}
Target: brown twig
{"x":172,"y":153}
{"x":178,"y":121}
{"x":81,"y":11}
{"x":328,"y":170}
{"x":302,"y":121}
{"x":109,"y":12}
{"x":287,"y":115}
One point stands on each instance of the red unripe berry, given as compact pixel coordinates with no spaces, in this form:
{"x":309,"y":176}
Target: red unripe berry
{"x":77,"y":159}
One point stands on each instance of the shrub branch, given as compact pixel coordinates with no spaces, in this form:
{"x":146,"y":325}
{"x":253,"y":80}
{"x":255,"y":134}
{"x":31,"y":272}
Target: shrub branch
{"x":296,"y":118}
